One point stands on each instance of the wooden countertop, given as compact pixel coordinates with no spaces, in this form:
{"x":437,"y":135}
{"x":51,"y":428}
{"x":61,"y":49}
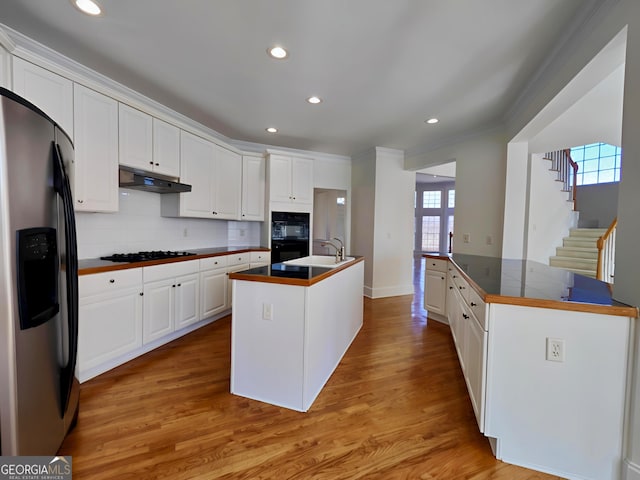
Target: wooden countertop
{"x":291,"y":274}
{"x":95,"y":265}
{"x":534,"y":284}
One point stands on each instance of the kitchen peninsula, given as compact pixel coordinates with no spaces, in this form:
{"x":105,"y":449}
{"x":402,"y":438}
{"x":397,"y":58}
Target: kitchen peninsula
{"x":545,"y":354}
{"x":291,"y":326}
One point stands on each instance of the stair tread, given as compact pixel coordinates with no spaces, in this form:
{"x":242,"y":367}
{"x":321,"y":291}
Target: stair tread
{"x":581,"y":249}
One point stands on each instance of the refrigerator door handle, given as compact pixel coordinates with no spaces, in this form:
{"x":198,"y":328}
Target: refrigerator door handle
{"x":63,"y":188}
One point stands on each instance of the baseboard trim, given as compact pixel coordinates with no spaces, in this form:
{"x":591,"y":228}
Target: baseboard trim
{"x":630,"y":470}
{"x":394,"y":291}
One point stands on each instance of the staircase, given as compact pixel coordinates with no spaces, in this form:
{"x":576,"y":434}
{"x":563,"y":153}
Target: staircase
{"x":579,"y":251}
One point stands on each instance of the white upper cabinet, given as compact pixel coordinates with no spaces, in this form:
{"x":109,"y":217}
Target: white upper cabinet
{"x":50,"y":92}
{"x":95,"y":170}
{"x":290,"y":183}
{"x":136,"y":138}
{"x":166,"y":148}
{"x":253,"y":183}
{"x":215,"y":176}
{"x":227,"y":184}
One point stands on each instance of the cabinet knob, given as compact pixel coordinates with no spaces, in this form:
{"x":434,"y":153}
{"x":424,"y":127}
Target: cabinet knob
{"x":112,"y":280}
{"x":179,"y":284}
{"x":450,"y":288}
{"x":455,"y":276}
{"x":474,"y":304}
{"x":80,"y":201}
{"x":461,"y":288}
{"x":173,"y":286}
{"x":442,"y":278}
{"x":465,"y":316}
{"x":150,"y":163}
{"x":157,"y":164}
{"x":141,"y":293}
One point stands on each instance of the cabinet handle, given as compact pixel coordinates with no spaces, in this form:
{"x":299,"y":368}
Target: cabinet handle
{"x":433,"y":264}
{"x":474,"y":304}
{"x":112,"y":280}
{"x":465,"y":316}
{"x":80,"y":201}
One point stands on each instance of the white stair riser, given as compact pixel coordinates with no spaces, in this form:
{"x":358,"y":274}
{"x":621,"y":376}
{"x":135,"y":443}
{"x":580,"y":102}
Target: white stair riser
{"x":587,"y":232}
{"x":574,"y":242}
{"x":577,"y":253}
{"x":568,"y":262}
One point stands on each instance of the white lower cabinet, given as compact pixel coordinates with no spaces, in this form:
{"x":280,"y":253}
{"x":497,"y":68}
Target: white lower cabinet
{"x":110,"y":317}
{"x":470,"y":338}
{"x":260,"y":259}
{"x":213,"y":286}
{"x":171,"y":297}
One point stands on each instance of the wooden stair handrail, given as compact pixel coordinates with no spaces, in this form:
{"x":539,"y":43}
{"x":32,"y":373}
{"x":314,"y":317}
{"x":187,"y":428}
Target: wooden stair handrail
{"x":601,"y":243}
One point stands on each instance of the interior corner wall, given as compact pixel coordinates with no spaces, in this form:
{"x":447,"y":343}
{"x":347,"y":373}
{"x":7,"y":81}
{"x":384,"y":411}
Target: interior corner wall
{"x":363,"y":196}
{"x":598,"y":204}
{"x":516,"y":201}
{"x":393,"y":225}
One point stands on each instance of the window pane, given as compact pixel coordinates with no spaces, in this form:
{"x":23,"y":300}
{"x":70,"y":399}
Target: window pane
{"x":591,"y":151}
{"x":577,"y":154}
{"x":607,"y":162}
{"x":606,"y":176}
{"x":431,"y":199}
{"x":431,"y":233}
{"x":589,"y":178}
{"x":607,"y":150}
{"x":452,"y":199}
{"x":590,"y":166}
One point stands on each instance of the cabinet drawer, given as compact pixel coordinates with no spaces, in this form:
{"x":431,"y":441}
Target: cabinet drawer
{"x":437,"y":264}
{"x":239,"y":258}
{"x":169,"y":270}
{"x":461,"y":284}
{"x":211,"y":263}
{"x":478,"y":307}
{"x":99,"y":283}
{"x":261,"y":257}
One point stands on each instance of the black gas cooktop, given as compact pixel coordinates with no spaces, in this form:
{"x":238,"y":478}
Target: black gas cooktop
{"x":145,"y":256}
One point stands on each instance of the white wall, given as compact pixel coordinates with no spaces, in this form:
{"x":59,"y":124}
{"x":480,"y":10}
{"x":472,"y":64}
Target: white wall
{"x":550,"y":214}
{"x":598,"y":204}
{"x":516,"y":201}
{"x":393,"y":225}
{"x":480,"y":187}
{"x":363,"y":197}
{"x":139,"y":226}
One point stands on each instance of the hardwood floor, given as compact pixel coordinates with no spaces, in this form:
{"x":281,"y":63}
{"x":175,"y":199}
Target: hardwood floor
{"x":395,"y":408}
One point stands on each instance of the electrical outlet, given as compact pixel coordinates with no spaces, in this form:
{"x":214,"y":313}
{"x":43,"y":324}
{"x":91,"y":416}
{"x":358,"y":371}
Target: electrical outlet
{"x":489,"y":240}
{"x":242,"y":232}
{"x":267,"y":311}
{"x":555,"y":349}
{"x":466,"y":237}
{"x":185,"y":233}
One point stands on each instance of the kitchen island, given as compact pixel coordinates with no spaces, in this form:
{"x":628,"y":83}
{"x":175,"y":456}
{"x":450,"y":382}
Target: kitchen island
{"x":545,"y":354}
{"x":291,"y":326}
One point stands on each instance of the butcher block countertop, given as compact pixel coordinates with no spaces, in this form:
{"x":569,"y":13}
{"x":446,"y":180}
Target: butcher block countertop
{"x":95,"y":265}
{"x":534,"y":284}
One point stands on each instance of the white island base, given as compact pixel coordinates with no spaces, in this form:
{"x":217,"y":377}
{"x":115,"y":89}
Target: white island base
{"x":286,"y":340}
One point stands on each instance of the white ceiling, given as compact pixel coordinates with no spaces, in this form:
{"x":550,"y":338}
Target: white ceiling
{"x":381,"y":66}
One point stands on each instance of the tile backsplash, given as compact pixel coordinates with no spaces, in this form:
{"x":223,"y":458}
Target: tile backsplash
{"x":139,"y":226}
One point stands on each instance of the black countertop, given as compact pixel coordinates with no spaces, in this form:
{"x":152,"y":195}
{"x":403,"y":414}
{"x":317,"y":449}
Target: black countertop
{"x":501,"y":280}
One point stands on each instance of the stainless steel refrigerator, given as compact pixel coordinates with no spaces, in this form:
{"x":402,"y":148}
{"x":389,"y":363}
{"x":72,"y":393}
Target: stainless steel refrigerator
{"x":38,"y":282}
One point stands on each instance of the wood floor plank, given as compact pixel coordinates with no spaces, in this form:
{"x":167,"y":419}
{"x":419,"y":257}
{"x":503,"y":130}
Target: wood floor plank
{"x":395,"y":408}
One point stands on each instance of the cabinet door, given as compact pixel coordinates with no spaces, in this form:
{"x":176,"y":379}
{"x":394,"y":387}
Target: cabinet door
{"x":253,"y":183}
{"x":166,"y":148}
{"x":435,"y":291}
{"x":213,"y":292}
{"x":95,"y":169}
{"x":279,"y":179}
{"x":135,"y":139}
{"x":50,"y":92}
{"x":158,"y":318}
{"x":110,"y":325}
{"x":196,"y":168}
{"x":302,"y":180}
{"x":187,"y":295}
{"x":227,"y":184}
{"x":475,"y":345}
{"x":5,"y":69}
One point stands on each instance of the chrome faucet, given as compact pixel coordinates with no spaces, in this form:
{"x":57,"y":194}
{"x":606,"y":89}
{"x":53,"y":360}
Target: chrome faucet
{"x":340,"y":252}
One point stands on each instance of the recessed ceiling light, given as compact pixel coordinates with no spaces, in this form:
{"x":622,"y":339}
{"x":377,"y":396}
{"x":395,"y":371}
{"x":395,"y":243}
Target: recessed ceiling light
{"x":277,"y":52}
{"x":431,"y":121}
{"x":271,"y":129}
{"x":87,"y":6}
{"x":314,"y":100}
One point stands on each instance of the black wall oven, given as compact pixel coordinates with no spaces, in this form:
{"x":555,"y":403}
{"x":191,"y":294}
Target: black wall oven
{"x":289,"y":236}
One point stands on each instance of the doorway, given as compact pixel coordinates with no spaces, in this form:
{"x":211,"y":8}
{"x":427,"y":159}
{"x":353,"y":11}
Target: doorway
{"x":329,"y":218}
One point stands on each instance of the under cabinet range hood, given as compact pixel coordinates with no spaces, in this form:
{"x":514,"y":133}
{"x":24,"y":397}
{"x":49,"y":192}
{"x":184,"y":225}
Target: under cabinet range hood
{"x":149,"y":182}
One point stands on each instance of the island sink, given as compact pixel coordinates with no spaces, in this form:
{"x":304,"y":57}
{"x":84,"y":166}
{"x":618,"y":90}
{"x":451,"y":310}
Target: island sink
{"x":327,"y":261}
